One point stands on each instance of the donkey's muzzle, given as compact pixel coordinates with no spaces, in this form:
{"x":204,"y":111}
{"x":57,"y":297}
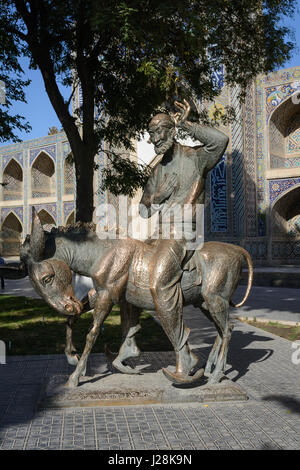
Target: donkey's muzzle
{"x":73,"y":307}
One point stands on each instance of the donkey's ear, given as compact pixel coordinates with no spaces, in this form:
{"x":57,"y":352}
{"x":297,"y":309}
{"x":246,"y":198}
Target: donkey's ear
{"x":37,"y":237}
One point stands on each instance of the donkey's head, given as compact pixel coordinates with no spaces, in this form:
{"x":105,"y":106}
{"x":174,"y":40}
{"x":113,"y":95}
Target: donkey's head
{"x":51,"y":278}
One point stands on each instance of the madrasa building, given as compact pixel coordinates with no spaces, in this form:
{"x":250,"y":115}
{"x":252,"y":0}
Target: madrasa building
{"x":252,"y":195}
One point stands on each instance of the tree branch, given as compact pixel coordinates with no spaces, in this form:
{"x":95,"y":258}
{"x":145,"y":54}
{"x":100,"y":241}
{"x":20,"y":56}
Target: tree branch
{"x":41,"y":54}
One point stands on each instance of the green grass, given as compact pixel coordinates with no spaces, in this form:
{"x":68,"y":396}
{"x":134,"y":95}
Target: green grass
{"x":29,"y":326}
{"x":290,"y":332}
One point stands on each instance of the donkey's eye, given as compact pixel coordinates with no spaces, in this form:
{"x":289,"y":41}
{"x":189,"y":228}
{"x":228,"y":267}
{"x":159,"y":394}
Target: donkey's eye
{"x":47,"y":279}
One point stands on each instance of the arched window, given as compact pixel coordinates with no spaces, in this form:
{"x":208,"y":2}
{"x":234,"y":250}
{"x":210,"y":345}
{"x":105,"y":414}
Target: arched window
{"x":11,"y":235}
{"x":285,"y":214}
{"x":284,"y":135}
{"x":69,"y":177}
{"x":47,"y":220}
{"x":43,"y":176}
{"x":13,"y":180}
{"x":71,"y":218}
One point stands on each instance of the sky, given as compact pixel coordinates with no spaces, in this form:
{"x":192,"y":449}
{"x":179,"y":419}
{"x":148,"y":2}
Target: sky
{"x":38,"y":110}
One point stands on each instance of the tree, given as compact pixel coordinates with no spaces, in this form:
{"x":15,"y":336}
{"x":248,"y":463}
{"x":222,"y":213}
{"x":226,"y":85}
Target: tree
{"x":11,"y":82}
{"x":132,"y":58}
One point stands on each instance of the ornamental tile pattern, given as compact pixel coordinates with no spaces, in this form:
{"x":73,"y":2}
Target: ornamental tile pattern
{"x":278,"y":187}
{"x":6,"y":159}
{"x":50,"y":150}
{"x":237,"y":145}
{"x":17,"y":211}
{"x":239,"y":191}
{"x":218,"y":204}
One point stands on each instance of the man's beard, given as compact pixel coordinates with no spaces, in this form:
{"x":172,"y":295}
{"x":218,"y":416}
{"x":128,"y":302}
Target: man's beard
{"x":165,"y":146}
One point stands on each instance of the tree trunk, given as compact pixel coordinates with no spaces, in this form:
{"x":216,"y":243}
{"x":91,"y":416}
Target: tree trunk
{"x":83,"y":147}
{"x":84,"y":187}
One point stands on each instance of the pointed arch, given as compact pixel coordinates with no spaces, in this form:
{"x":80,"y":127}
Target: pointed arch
{"x":13,"y":179}
{"x":285,"y":212}
{"x":71,"y":218}
{"x":11,"y":235}
{"x":43,"y":178}
{"x":284,"y":134}
{"x":46,"y":219}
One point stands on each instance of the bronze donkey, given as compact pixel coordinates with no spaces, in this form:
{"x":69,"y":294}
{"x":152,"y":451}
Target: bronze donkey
{"x":208,"y":282}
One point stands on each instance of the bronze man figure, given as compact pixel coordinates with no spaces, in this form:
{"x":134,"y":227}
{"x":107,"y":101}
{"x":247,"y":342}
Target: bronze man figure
{"x":178,"y":179}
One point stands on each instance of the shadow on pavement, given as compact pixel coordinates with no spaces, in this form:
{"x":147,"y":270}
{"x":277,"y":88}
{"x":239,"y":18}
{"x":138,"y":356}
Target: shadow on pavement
{"x":292,"y":404}
{"x":240,"y":356}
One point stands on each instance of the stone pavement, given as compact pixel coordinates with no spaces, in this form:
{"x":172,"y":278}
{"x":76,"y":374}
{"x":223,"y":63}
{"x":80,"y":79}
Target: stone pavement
{"x":269,"y":303}
{"x":266,"y":366}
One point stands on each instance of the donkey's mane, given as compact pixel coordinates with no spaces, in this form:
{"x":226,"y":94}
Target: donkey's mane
{"x":83,"y":228}
{"x":78,"y":227}
{"x":76,"y":231}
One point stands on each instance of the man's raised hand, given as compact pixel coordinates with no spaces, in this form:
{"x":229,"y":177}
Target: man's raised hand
{"x":181,"y":116}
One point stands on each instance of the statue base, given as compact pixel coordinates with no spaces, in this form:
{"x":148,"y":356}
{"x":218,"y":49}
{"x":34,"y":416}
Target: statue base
{"x":107,"y":388}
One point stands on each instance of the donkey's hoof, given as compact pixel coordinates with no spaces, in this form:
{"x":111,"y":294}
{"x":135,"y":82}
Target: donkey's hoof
{"x":73,"y":359}
{"x":117,"y":364}
{"x":72,"y":382}
{"x":215,"y":379}
{"x":180,"y":379}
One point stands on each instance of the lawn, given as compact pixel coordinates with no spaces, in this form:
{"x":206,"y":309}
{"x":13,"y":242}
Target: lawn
{"x":30,"y":326}
{"x":289,"y":332}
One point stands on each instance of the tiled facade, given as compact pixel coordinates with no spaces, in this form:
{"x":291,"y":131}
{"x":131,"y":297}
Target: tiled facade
{"x":252,"y":195}
{"x":248,"y":202}
{"x":37,"y":167}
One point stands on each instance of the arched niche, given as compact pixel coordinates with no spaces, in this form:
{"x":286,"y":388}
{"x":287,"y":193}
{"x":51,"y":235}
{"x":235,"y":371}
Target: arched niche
{"x":11,"y":235}
{"x":46,"y":219}
{"x":69,"y":177}
{"x":284,"y":135}
{"x":13,"y":181}
{"x":71,"y":218}
{"x":43,"y":181}
{"x":285,"y":214}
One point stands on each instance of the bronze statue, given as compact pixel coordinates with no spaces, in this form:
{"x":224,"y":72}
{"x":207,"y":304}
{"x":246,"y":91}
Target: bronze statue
{"x":161,"y":274}
{"x":120,"y":273}
{"x":177,"y":180}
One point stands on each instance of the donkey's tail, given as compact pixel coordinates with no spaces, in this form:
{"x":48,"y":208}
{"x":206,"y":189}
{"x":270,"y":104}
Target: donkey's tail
{"x":250,"y":278}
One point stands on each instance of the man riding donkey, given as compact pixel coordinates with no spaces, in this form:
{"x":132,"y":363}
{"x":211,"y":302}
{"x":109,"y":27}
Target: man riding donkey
{"x":177,"y":180}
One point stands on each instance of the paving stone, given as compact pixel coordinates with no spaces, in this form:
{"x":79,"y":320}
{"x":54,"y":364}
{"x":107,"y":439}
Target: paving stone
{"x":259,"y":362}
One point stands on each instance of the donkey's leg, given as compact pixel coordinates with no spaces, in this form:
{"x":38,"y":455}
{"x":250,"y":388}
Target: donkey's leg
{"x":70,"y":350}
{"x":218,"y":308}
{"x":218,"y":354}
{"x":218,"y":341}
{"x":227,"y":338}
{"x":219,"y":370}
{"x":102,"y":308}
{"x":213,"y":355}
{"x":130,"y":326}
